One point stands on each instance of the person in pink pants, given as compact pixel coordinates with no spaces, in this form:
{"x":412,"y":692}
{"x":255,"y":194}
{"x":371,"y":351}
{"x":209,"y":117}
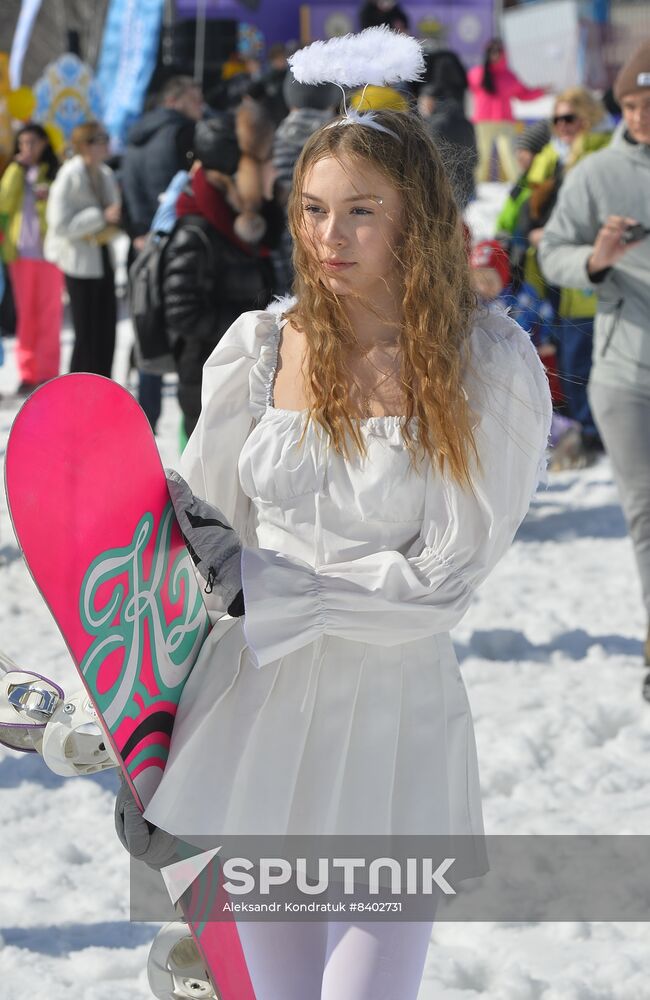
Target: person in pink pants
{"x":37,"y":284}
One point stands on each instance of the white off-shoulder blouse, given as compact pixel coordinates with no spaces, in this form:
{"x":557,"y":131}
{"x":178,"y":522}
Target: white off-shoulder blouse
{"x":337,"y":705}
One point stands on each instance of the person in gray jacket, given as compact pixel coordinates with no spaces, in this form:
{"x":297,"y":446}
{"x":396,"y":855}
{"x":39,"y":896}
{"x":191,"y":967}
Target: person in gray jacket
{"x":599,"y":237}
{"x":310,"y":106}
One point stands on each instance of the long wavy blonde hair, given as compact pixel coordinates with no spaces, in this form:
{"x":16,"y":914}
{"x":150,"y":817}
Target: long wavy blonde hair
{"x":438,"y":303}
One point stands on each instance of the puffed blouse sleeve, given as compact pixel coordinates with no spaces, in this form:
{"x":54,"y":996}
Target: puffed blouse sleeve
{"x":387,"y":597}
{"x":210,"y":460}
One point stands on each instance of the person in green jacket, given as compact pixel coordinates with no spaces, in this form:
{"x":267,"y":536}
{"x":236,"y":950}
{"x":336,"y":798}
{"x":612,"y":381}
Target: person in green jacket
{"x":528,"y":144}
{"x":575,"y":117}
{"x":512,"y":222}
{"x":37,"y":284}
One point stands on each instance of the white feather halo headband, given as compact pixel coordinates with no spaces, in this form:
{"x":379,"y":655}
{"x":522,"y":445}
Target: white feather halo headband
{"x":376,"y":56}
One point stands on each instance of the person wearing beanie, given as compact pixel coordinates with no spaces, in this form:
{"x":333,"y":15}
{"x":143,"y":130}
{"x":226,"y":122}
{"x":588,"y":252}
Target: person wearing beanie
{"x":453,"y":134}
{"x":530,"y":142}
{"x":634,"y":76}
{"x":597,"y":238}
{"x":310,"y":107}
{"x":509,"y":223}
{"x":490,"y":269}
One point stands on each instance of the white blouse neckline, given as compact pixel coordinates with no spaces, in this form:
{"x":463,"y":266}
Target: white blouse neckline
{"x":262,"y":384}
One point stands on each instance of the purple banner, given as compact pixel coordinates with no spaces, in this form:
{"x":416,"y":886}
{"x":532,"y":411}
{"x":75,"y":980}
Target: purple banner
{"x":463,"y":25}
{"x":278,"y":20}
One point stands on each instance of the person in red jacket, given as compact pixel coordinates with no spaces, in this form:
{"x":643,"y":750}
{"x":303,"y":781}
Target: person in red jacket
{"x":493,"y":85}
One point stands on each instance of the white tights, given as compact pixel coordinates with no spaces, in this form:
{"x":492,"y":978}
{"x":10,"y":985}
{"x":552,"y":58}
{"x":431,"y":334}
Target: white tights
{"x":335,"y":960}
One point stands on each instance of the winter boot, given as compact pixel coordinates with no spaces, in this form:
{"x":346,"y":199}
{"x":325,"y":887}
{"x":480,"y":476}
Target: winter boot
{"x":27,"y":703}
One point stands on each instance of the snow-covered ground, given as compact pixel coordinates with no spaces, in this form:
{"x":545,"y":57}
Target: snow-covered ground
{"x":551,"y":655}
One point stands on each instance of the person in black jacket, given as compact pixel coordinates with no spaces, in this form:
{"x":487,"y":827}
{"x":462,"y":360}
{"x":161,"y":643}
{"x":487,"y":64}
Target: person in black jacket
{"x":375,"y":13}
{"x":210,"y":273}
{"x":444,"y":69}
{"x":158,"y":146}
{"x":454,"y":135}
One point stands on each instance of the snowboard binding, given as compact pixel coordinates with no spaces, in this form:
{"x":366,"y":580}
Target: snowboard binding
{"x":175,"y":968}
{"x":36,"y":716}
{"x":27,"y":703}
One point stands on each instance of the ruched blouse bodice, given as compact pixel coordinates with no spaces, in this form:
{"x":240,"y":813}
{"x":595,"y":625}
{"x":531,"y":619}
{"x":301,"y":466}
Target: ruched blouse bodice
{"x":310,"y":501}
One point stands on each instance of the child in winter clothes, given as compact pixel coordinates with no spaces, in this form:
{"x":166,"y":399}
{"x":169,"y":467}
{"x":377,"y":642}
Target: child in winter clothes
{"x":492,"y":281}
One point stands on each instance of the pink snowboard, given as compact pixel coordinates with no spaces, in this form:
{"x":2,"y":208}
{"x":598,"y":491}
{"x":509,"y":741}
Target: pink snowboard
{"x":89,"y":504}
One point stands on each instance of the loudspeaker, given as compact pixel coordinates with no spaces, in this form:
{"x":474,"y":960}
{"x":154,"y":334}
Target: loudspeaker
{"x":221,"y":38}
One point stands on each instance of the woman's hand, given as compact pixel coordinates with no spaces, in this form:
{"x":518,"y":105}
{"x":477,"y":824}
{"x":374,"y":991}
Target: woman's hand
{"x":535,"y":236}
{"x":143,"y":841}
{"x":113,"y":213}
{"x":608,"y":247}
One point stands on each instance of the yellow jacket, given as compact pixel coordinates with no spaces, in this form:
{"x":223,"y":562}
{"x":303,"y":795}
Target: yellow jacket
{"x":574,"y":302}
{"x":12,"y":192}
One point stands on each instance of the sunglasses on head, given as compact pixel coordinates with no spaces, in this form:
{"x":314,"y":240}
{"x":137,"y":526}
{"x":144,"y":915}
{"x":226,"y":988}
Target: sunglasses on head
{"x":567,"y":119}
{"x":98,"y":140}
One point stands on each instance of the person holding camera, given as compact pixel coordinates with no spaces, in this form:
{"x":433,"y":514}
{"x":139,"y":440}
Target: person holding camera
{"x":598,"y":237}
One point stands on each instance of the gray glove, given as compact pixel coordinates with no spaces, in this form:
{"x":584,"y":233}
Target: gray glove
{"x":212,"y":543}
{"x":143,"y":841}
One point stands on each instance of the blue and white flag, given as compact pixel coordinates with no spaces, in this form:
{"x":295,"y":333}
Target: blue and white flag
{"x":24,"y":26}
{"x":127,"y":61}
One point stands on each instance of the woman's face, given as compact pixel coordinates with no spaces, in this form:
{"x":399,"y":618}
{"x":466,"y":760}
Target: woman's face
{"x":495,"y":53}
{"x":566,"y":123}
{"x":524,"y":158}
{"x":30,"y":148}
{"x":351,"y":226}
{"x":636,"y":113}
{"x":96,"y":148}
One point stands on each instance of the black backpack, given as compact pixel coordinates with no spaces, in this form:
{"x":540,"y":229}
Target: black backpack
{"x":152,"y":347}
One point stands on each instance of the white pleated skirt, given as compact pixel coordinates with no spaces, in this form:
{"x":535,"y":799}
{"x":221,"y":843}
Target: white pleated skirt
{"x":339,"y":737}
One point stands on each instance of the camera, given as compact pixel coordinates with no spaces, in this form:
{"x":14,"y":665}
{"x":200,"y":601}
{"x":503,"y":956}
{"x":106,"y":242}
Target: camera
{"x":633,"y":233}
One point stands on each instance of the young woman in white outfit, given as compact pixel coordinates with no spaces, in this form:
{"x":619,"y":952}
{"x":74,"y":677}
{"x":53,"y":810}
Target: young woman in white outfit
{"x":375,"y":444}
